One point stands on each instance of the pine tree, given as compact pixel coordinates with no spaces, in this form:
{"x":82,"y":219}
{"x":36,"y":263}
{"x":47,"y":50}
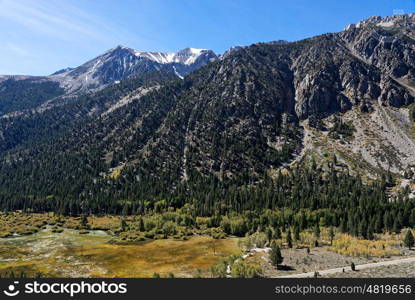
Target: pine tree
{"x":388,"y":221}
{"x":343,"y":226}
{"x":297,"y":233}
{"x":370,"y":232}
{"x":331,"y":235}
{"x":289,"y":239}
{"x":396,"y":226}
{"x":275,"y":255}
{"x":141,"y":227}
{"x":277,"y":234}
{"x":378,"y":224}
{"x":316,"y":231}
{"x":409,"y":239}
{"x":123,"y":224}
{"x":84,"y":221}
{"x":268,"y":233}
{"x":363,"y":229}
{"x":412,"y":218}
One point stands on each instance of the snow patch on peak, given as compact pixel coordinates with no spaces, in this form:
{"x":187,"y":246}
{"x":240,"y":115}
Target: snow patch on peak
{"x":197,"y":51}
{"x":186,"y":56}
{"x":177,"y":73}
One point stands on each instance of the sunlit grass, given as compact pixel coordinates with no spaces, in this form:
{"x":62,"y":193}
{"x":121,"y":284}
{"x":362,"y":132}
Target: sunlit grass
{"x":71,"y":254}
{"x":351,"y":246}
{"x":183,"y":258}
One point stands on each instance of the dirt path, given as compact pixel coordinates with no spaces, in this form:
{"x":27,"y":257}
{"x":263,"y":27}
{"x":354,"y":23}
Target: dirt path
{"x":358,"y":267}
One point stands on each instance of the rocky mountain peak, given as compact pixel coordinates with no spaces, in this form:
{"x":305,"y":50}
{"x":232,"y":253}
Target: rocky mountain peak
{"x":396,"y":20}
{"x":121,"y":62}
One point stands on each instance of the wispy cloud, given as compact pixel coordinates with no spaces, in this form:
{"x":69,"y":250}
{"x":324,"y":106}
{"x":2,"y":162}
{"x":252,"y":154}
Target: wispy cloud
{"x":57,"y":19}
{"x":41,"y":36}
{"x":17,"y":49}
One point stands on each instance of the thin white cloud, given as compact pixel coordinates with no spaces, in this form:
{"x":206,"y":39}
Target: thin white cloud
{"x":42,"y":36}
{"x":57,"y":19}
{"x":17,"y":49}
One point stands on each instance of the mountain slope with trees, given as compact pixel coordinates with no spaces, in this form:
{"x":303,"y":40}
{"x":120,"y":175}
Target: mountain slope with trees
{"x":232,"y":137}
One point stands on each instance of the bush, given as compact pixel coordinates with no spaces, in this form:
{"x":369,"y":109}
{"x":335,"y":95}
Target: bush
{"x":149,"y":235}
{"x":242,"y":269}
{"x":149,"y":224}
{"x":57,"y":230}
{"x":219,"y":270}
{"x":169,"y":228}
{"x":238,"y":227}
{"x":225,"y":225}
{"x":258,"y":239}
{"x":351,"y":246}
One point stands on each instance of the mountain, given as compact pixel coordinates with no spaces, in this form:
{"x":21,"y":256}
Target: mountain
{"x":122,"y":62}
{"x":341,"y":101}
{"x":230,"y":51}
{"x":19,"y":94}
{"x":62,"y":71}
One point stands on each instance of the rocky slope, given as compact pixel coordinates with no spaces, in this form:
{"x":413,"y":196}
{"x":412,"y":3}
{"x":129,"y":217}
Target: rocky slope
{"x":254,"y":112}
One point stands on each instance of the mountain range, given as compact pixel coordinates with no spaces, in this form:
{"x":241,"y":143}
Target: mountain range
{"x":130,"y":123}
{"x":122,"y":62}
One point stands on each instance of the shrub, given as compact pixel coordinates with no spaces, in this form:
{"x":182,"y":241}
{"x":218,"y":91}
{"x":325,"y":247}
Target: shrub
{"x":225,"y":225}
{"x":351,"y":246}
{"x":149,"y":235}
{"x":219,"y":270}
{"x":149,"y":224}
{"x":242,"y":269}
{"x":257,"y":239}
{"x":238,"y":227}
{"x":169,"y":228}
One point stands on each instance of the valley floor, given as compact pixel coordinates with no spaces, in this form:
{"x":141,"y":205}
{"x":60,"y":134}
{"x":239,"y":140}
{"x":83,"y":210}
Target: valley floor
{"x":46,"y":245}
{"x":71,"y":254}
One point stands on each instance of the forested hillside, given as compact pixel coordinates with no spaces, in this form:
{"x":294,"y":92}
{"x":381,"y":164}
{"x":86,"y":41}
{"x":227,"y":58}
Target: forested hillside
{"x":17,"y":95}
{"x":303,"y":126}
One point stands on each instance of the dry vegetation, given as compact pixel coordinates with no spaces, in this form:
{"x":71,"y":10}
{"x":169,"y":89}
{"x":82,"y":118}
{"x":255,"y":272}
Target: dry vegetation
{"x":344,"y":250}
{"x":69,"y":248}
{"x":54,"y":246}
{"x":351,"y":246}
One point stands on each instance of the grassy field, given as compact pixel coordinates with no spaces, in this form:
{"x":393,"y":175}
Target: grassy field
{"x":71,"y":254}
{"x":54,"y":246}
{"x":182,"y":258}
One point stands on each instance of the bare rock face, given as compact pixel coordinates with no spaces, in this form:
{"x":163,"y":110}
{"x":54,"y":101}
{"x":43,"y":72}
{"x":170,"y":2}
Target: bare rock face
{"x":387,"y":43}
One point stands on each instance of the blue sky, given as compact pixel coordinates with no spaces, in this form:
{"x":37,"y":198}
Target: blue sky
{"x":39,"y":37}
